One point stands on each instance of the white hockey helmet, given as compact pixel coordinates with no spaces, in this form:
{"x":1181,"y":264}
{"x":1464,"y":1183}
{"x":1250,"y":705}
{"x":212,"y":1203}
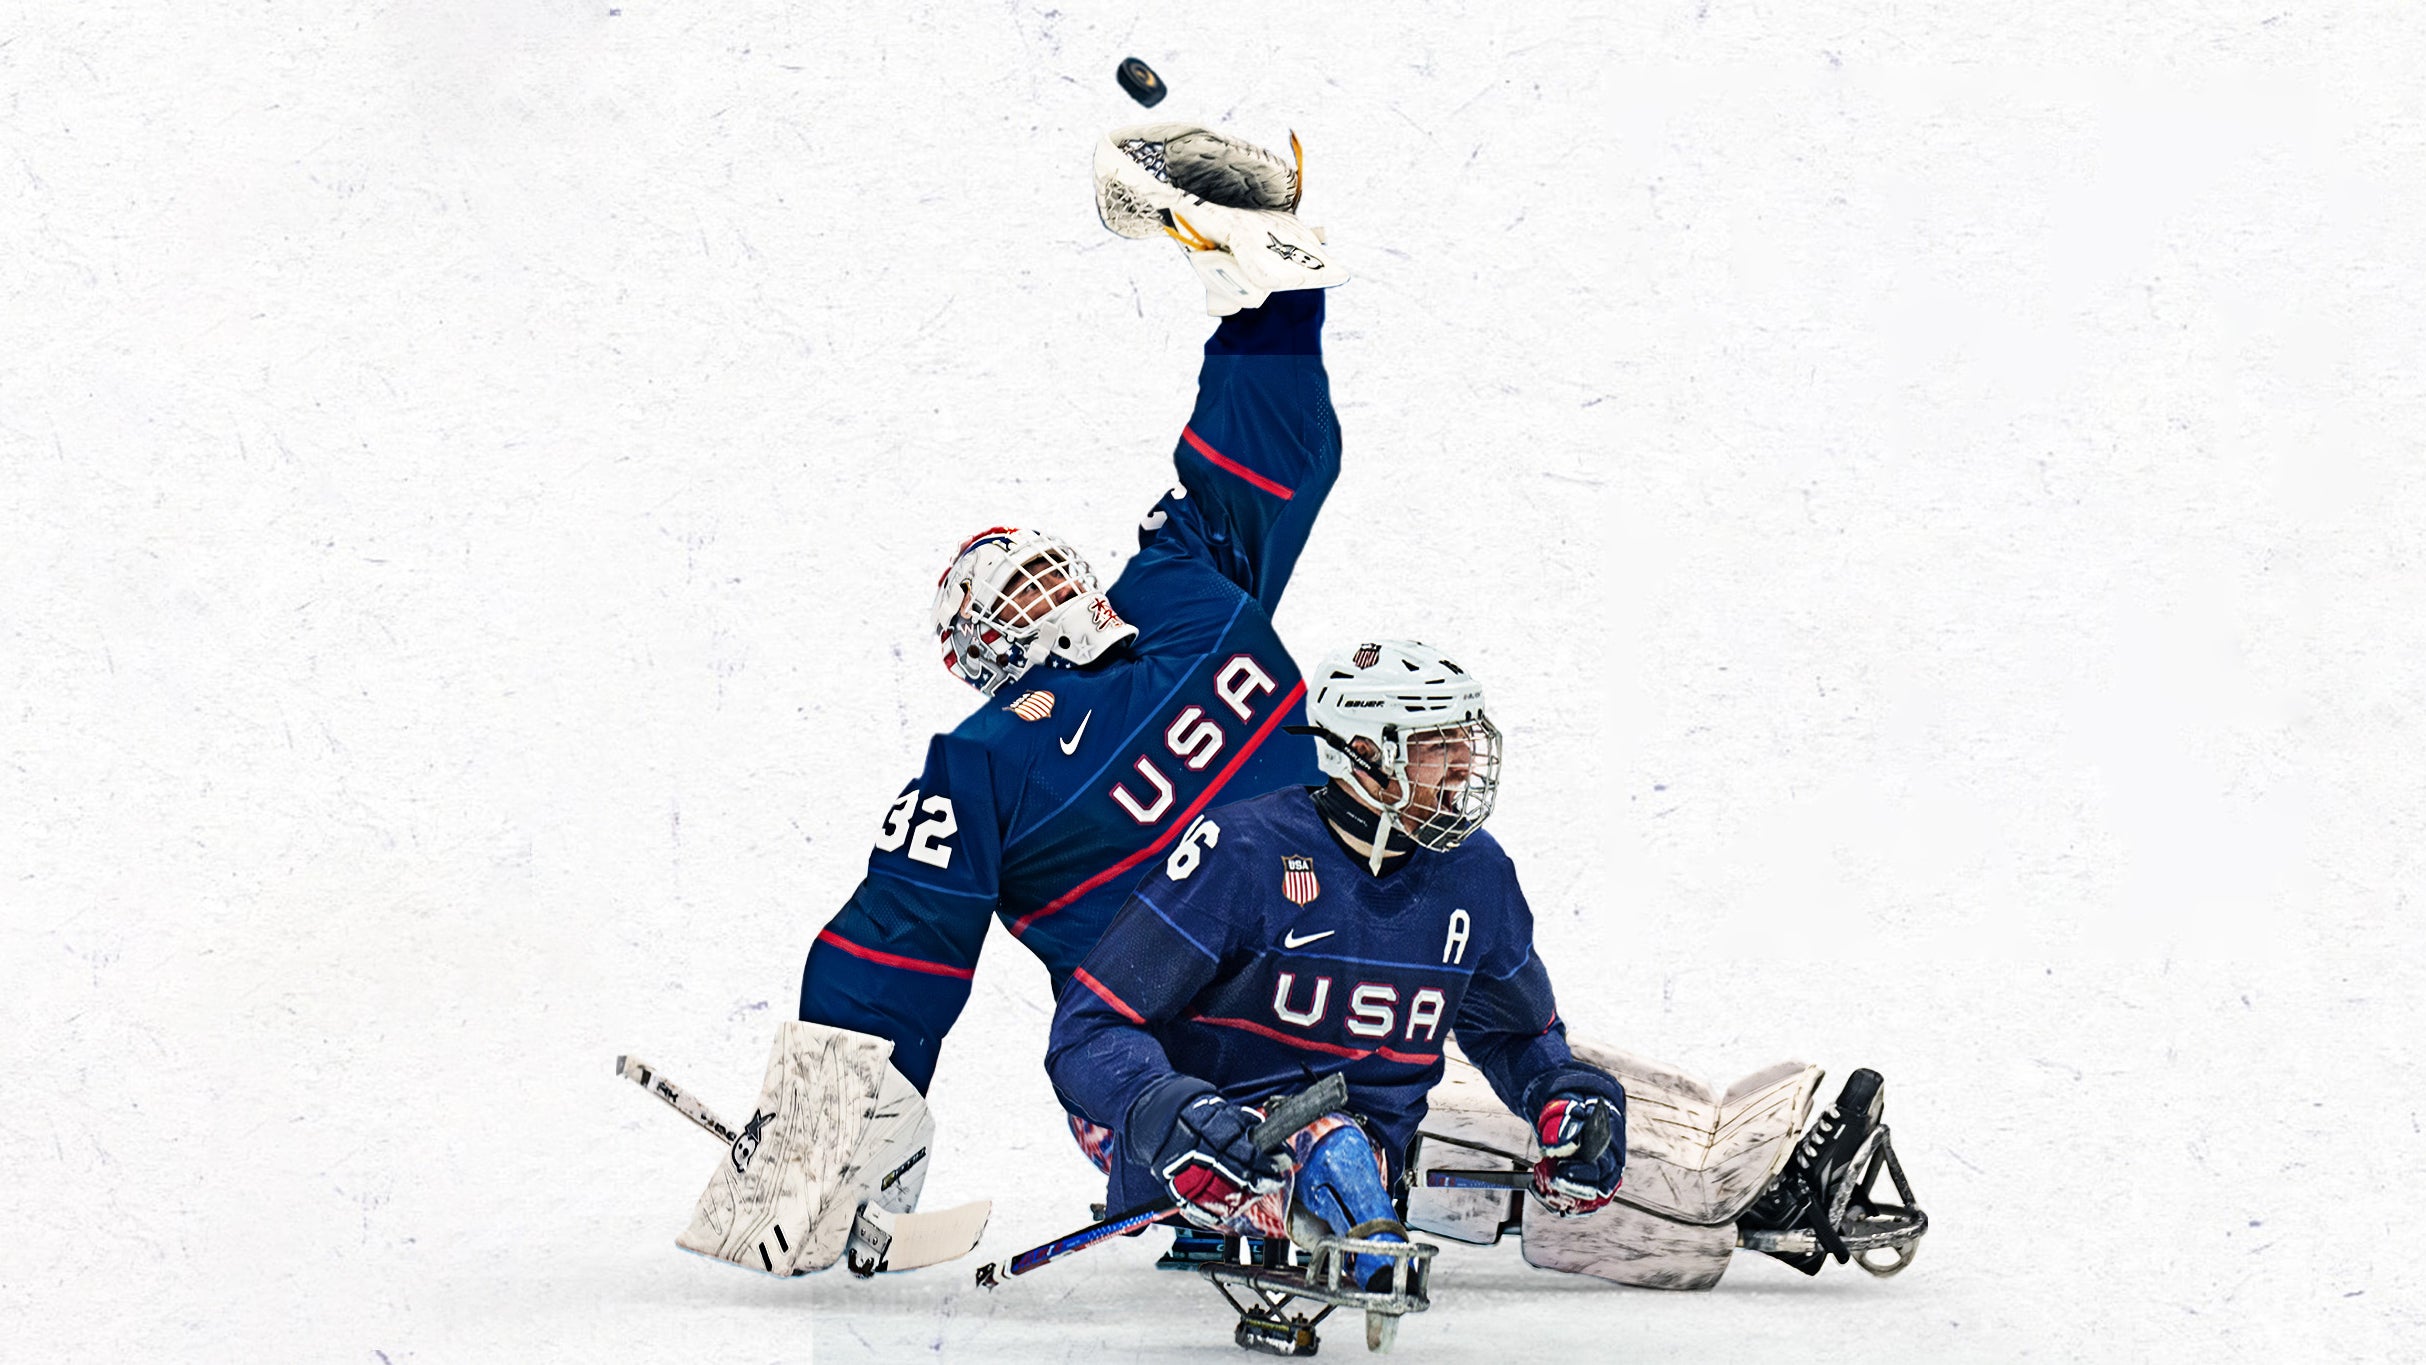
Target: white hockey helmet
{"x":1010,"y":598}
{"x":1435,"y":754}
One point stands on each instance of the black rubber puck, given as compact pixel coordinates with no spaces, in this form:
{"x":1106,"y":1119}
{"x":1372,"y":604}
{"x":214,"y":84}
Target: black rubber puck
{"x":1140,"y":81}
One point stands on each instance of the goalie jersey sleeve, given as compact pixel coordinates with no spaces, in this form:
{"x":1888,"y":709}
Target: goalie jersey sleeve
{"x":897,"y":960}
{"x":1259,"y":453}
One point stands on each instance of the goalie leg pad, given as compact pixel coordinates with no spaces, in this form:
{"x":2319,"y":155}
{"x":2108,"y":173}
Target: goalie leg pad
{"x":834,"y":1127}
{"x":1697,"y":1155}
{"x":1631,"y":1246}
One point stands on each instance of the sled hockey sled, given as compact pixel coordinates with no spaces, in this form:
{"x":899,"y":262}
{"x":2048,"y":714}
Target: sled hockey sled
{"x":1266,"y":1291}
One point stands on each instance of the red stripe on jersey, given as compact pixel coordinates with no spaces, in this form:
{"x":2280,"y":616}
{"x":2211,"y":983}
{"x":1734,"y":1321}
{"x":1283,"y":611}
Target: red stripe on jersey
{"x":907,"y":964}
{"x":1104,"y":993}
{"x":1279,"y":1037}
{"x":1170,"y":831}
{"x":1221,"y":461}
{"x":1352,"y":1053}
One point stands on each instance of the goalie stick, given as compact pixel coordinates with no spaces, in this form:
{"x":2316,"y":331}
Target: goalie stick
{"x":881,"y":1239}
{"x":1271,"y":1135}
{"x":641,"y":1074}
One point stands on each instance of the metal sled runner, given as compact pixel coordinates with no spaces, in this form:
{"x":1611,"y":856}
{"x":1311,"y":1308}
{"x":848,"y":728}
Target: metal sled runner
{"x":1270,"y":1288}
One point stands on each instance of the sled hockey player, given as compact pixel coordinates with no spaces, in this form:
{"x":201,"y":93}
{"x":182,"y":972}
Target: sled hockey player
{"x":1346,"y":928}
{"x":1112,"y":718}
{"x":1245,"y":965}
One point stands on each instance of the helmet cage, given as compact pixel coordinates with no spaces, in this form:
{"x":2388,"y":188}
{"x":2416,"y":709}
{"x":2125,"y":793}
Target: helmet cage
{"x":1440,"y":806}
{"x":1012,"y":598}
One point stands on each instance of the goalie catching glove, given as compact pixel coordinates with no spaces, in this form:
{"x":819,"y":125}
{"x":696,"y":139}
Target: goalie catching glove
{"x":1231,"y":204}
{"x":1203,"y":1147}
{"x":1583,"y":1141}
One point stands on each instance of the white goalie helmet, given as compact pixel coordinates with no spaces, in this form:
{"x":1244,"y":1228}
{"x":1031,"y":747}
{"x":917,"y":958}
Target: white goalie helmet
{"x":1435,"y":754}
{"x":1012,"y":598}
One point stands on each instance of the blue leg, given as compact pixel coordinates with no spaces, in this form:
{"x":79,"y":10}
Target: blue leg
{"x":1339,"y":1181}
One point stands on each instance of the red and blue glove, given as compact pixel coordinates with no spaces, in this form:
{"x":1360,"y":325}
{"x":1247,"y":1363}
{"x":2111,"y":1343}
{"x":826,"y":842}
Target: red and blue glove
{"x":1205,"y":1151}
{"x":1583,"y":1142}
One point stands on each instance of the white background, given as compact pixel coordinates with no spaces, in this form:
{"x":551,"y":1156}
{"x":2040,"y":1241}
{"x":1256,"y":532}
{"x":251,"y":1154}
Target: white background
{"x":1935,"y":491}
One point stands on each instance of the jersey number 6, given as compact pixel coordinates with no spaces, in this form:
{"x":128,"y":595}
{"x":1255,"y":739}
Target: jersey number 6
{"x":927,"y":845}
{"x":1202,"y":835}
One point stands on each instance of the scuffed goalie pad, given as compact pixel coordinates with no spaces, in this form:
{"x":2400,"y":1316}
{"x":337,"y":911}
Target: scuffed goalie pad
{"x":1694,"y":1154}
{"x":1462,"y":1108}
{"x":782,"y":1198}
{"x":1695,"y":1160}
{"x":1629,"y":1246}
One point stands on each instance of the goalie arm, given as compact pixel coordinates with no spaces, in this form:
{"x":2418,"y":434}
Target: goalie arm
{"x":897,"y":960}
{"x":1260,"y":451}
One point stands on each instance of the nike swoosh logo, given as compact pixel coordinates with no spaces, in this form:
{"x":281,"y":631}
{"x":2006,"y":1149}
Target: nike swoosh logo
{"x":1070,"y":745}
{"x":1291,"y":940}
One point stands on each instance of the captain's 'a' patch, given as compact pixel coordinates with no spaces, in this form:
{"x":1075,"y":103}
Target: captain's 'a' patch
{"x":1032,"y":705}
{"x":1297,"y":879}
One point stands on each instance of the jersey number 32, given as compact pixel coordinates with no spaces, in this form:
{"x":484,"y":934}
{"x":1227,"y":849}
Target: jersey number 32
{"x":927,"y":843}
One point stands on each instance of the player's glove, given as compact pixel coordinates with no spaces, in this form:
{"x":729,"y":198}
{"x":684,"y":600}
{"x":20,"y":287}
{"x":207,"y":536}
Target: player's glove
{"x":1583,"y":1141}
{"x":1201,"y":1146}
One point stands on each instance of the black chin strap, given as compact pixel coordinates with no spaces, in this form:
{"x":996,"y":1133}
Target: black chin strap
{"x":1347,"y":818}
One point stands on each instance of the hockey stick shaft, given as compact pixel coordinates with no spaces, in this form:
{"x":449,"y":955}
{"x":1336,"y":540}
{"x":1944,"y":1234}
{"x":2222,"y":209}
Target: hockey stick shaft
{"x":682,"y":1101}
{"x":1479,"y":1180}
{"x":1283,"y":1123}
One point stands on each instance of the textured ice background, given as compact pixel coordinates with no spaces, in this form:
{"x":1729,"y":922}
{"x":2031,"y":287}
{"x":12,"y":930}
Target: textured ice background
{"x":1936,"y":491}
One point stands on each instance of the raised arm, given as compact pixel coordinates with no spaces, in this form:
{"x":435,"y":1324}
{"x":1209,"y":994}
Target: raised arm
{"x":1260,"y":451}
{"x":896,"y":961}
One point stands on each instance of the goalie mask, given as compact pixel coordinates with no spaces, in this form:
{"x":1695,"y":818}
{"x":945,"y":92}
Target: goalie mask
{"x":1431,"y":752}
{"x":1013,"y":598}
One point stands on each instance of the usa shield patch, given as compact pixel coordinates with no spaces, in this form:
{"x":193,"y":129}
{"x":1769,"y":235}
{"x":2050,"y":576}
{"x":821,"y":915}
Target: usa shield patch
{"x":1297,"y":879}
{"x":1366,"y":656}
{"x":1032,"y":706}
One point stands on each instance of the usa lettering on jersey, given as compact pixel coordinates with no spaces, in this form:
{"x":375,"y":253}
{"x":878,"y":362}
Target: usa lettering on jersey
{"x":1193,"y":739}
{"x":1372,"y":1007}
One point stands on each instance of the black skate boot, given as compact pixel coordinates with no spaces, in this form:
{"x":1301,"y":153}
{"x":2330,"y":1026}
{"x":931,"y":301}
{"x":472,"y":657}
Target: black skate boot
{"x":1799,"y":1218}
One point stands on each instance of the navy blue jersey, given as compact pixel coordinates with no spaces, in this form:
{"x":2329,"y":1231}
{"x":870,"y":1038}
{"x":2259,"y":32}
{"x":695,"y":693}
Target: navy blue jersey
{"x":1259,"y":955}
{"x":1047,"y":805}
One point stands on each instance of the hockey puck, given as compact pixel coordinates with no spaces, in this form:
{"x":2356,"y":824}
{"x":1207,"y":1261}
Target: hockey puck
{"x":1140,"y":81}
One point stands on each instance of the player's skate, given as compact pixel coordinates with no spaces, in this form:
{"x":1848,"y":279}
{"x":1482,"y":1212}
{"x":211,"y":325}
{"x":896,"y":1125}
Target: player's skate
{"x":1372,"y":1265}
{"x":1231,"y":204}
{"x":1825,"y":1202}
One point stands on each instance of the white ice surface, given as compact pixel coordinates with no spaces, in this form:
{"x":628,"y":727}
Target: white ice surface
{"x":1936,"y":492}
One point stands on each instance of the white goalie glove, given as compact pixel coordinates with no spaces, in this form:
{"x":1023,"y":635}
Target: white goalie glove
{"x":1232,"y":205}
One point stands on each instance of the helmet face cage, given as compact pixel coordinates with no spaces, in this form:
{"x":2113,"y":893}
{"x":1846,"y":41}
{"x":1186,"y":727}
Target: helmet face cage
{"x":1004,"y":589}
{"x":1448,"y":780}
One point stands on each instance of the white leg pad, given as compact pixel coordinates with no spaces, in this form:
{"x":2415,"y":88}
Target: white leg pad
{"x":1696,"y":1158}
{"x":834,"y":1127}
{"x":1627,"y":1245}
{"x":1462,"y":1107}
{"x":1698,"y":1155}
